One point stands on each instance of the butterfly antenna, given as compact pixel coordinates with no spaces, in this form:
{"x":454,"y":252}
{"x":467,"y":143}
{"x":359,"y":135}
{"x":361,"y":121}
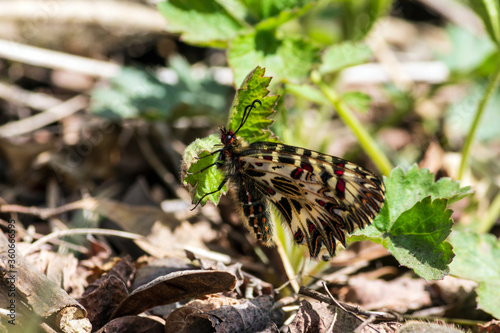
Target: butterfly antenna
{"x":246,"y":113}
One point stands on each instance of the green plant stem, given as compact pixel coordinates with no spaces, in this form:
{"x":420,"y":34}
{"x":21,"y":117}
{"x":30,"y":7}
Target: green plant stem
{"x":491,"y":216}
{"x":492,"y":85}
{"x":365,"y":139}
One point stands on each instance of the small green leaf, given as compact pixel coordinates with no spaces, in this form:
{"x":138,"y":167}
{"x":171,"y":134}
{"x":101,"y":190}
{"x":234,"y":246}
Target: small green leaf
{"x":254,"y":87}
{"x":196,"y":158}
{"x":282,"y":17}
{"x":201,"y":22}
{"x":417,"y":238}
{"x":308,"y":92}
{"x":198,"y":155}
{"x":357,"y":100}
{"x":288,"y":59}
{"x":343,"y":55}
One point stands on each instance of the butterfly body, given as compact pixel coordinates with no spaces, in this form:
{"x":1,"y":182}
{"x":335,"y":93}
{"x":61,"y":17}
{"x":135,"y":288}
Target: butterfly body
{"x":321,"y":198}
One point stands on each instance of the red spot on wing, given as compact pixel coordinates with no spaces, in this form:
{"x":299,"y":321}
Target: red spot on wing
{"x":297,"y":173}
{"x":321,"y":203}
{"x":338,"y":171}
{"x":340,"y":188}
{"x":268,"y":158}
{"x":259,"y":164}
{"x":271,"y":191}
{"x":298,"y":236}
{"x":306,"y":166}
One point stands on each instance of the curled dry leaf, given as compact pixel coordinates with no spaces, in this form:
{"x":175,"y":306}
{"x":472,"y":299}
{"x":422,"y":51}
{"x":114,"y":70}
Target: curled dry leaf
{"x":175,"y":287}
{"x":101,"y":302}
{"x":320,"y":317}
{"x":246,"y":316}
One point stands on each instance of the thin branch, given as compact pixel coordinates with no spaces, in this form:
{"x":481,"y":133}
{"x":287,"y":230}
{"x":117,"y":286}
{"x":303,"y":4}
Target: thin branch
{"x":58,"y":112}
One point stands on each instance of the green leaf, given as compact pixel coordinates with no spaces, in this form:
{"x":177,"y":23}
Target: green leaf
{"x":256,"y":128}
{"x":200,"y":183}
{"x":263,"y":9}
{"x":460,"y":115}
{"x":404,"y":190}
{"x":414,"y":221}
{"x":287,"y":59}
{"x":357,"y":100}
{"x":488,"y":294}
{"x":477,"y":256}
{"x":459,"y":59}
{"x":201,"y":22}
{"x":308,"y":92}
{"x":489,"y":12}
{"x":478,"y":259}
{"x":254,"y":87}
{"x":281,"y":18}
{"x":343,"y":55}
{"x":137,"y":93}
{"x":417,"y":238}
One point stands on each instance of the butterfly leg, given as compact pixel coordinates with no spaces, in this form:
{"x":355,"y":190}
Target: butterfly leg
{"x":207,"y":194}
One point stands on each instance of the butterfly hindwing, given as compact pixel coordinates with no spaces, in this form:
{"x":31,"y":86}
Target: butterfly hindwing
{"x":321,"y":197}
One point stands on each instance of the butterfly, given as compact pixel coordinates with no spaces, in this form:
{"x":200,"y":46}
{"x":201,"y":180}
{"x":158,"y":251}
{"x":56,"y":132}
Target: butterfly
{"x":321,"y":198}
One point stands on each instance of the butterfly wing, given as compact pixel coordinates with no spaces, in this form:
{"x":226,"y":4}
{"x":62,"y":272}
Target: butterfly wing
{"x":321,"y":197}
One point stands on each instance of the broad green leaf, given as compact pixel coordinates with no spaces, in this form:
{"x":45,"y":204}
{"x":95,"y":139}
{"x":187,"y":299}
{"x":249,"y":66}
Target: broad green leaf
{"x":417,"y":238}
{"x":254,"y":87}
{"x":477,"y":256}
{"x":414,"y":221}
{"x":343,"y":55}
{"x":357,"y":100}
{"x":488,"y":294}
{"x":288,"y":59}
{"x":478,"y":259}
{"x":256,"y":128}
{"x":201,"y":22}
{"x":459,"y":59}
{"x":404,"y":190}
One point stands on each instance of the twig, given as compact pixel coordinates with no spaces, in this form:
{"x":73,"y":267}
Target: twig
{"x":105,"y":13}
{"x":34,"y":100}
{"x":337,"y":303}
{"x":44,"y":213}
{"x":79,"y":231}
{"x":56,"y":60}
{"x":39,"y":120}
{"x":383,"y":316}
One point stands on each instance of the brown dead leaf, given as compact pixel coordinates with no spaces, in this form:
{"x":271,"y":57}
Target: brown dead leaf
{"x":490,"y":327}
{"x":101,"y":302}
{"x":175,"y":287}
{"x":400,"y":295}
{"x":318,"y":317}
{"x":246,"y":316}
{"x":134,"y":324}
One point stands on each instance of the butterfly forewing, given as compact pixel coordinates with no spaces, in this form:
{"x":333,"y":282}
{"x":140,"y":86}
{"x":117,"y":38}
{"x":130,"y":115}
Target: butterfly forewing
{"x":321,"y":197}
